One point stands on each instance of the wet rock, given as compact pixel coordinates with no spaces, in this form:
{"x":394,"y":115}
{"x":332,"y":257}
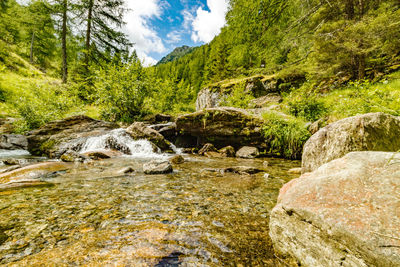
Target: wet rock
{"x":212,"y":154}
{"x":139,"y":130}
{"x":222,"y":127}
{"x":11,"y":162}
{"x":72,"y":156}
{"x":347,"y":209}
{"x":295,"y":171}
{"x":248,"y":152}
{"x":207,"y":148}
{"x":10,"y":168}
{"x":238,"y":170}
{"x":157,"y":167}
{"x":368,"y":132}
{"x":265,"y":164}
{"x":53,"y":139}
{"x":32,"y":172}
{"x":127,"y":170}
{"x":13,"y":141}
{"x":168,"y":130}
{"x":103,"y":154}
{"x":178,"y":159}
{"x":227,"y":151}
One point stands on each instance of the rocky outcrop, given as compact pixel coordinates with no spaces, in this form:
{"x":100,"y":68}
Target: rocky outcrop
{"x":266,"y":100}
{"x":346,"y":213}
{"x":222,"y":127}
{"x":248,"y":152}
{"x":209,"y":98}
{"x":157,"y":167}
{"x":139,"y":130}
{"x":53,"y":139}
{"x":368,"y":132}
{"x":13,"y":141}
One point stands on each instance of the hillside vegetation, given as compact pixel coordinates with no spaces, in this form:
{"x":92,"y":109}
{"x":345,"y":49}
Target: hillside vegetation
{"x":336,"y":58}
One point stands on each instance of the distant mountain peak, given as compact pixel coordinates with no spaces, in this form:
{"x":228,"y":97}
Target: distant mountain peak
{"x":176,"y":54}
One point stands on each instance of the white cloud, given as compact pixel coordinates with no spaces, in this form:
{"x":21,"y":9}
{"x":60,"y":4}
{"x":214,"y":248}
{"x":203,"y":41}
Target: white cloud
{"x":207,"y":24}
{"x":140,"y":32}
{"x":174,"y":37}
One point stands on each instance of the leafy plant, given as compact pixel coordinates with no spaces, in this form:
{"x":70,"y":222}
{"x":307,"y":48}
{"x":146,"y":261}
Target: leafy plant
{"x":238,"y":97}
{"x":285,"y":136}
{"x":309,"y":108}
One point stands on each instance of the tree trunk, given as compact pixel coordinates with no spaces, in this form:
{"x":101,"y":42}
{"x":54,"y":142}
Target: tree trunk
{"x":361,"y":66}
{"x":64,"y":42}
{"x":88,"y":33}
{"x":349,"y":9}
{"x":32,"y":41}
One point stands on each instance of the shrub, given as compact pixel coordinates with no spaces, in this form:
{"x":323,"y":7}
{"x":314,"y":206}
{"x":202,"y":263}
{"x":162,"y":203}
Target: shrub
{"x":238,"y":97}
{"x":121,"y":90}
{"x":285,"y":136}
{"x":309,"y":108}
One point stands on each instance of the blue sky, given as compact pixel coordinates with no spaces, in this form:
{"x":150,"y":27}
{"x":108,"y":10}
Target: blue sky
{"x":158,"y":26}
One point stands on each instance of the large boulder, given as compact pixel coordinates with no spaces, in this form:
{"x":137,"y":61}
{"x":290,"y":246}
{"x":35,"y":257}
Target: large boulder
{"x":53,"y":139}
{"x":222,"y":127}
{"x":248,"y":152}
{"x":346,"y":213}
{"x":13,"y":141}
{"x":139,"y":130}
{"x":368,"y":132}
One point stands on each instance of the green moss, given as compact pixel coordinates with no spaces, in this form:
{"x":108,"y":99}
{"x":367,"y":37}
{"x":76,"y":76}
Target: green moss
{"x":47,"y":146}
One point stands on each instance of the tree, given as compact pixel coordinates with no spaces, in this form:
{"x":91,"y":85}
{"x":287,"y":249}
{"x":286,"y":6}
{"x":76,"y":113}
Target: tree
{"x":104,"y":18}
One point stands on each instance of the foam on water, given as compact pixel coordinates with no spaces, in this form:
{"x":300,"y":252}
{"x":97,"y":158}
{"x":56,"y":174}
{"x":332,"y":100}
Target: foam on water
{"x":13,"y":153}
{"x":120,"y":138}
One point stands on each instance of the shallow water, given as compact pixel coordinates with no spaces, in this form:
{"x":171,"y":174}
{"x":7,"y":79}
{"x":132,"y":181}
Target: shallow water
{"x":95,"y":216}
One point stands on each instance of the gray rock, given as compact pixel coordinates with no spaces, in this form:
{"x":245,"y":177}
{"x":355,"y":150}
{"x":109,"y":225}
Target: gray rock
{"x":368,"y":132}
{"x":139,"y":130}
{"x":72,"y":156}
{"x":13,"y":141}
{"x":207,"y":148}
{"x":177,"y":159}
{"x":157,"y":167}
{"x":53,"y":138}
{"x":248,"y":152}
{"x":227,"y":151}
{"x":127,"y":170}
{"x":222,"y":127}
{"x":208,"y":98}
{"x":345,"y":213}
{"x":266,"y":100}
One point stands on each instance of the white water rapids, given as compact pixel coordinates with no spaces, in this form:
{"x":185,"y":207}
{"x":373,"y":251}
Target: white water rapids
{"x":120,"y":138}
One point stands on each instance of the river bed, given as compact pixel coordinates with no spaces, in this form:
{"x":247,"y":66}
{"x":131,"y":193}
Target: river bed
{"x":95,"y":216}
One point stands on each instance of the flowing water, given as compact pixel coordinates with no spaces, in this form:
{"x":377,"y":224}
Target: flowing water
{"x":96,"y":216}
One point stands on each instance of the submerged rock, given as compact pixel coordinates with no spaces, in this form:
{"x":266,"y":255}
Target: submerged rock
{"x":207,"y":148}
{"x":127,"y":170}
{"x":238,"y":170}
{"x":222,"y":127}
{"x":345,"y":213}
{"x":178,"y":159}
{"x":28,"y":176}
{"x":248,"y":152}
{"x":227,"y":151}
{"x":368,"y":132}
{"x":139,"y":130}
{"x":103,"y":154}
{"x":53,"y":139}
{"x":157,"y":167}
{"x":72,"y":156}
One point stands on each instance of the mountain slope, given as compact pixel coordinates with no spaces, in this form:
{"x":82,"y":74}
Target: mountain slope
{"x":178,"y":53}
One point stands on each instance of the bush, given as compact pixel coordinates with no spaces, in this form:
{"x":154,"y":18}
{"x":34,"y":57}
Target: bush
{"x":121,"y":90}
{"x":238,"y":98}
{"x":308,"y":108}
{"x":40,"y":104}
{"x":285,"y":136}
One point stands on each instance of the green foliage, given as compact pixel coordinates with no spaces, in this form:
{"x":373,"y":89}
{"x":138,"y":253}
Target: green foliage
{"x":176,"y":54}
{"x":36,"y":101}
{"x":238,"y":97}
{"x":307,"y":107}
{"x":121,"y":90}
{"x":286,"y":136}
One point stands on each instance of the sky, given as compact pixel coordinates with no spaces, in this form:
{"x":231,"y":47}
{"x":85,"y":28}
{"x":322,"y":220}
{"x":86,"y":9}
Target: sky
{"x":156,"y":27}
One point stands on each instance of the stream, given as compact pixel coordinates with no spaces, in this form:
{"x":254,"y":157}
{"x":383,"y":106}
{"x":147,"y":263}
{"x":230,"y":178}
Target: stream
{"x":95,"y":216}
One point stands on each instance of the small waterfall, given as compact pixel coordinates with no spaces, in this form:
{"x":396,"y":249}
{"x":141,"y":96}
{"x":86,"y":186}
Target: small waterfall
{"x":120,"y":140}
